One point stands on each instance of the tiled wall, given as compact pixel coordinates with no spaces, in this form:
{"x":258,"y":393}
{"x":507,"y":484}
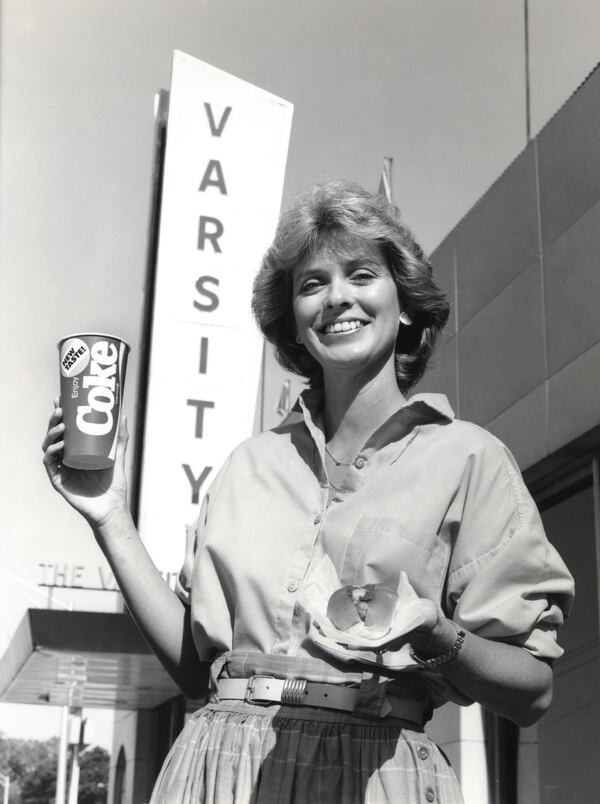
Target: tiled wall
{"x":521,"y":355}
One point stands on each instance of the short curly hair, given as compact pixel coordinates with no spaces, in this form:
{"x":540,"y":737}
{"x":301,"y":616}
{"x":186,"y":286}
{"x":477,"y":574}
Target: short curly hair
{"x":328,"y":214}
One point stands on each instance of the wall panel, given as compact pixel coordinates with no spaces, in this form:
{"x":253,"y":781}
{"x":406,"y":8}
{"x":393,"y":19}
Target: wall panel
{"x":501,"y":351}
{"x":498,"y":238}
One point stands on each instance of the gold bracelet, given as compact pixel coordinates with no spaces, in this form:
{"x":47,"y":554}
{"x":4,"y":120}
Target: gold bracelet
{"x":445,"y":657}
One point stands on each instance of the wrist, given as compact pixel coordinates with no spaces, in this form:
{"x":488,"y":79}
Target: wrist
{"x":117,"y":523}
{"x":437,"y":640}
{"x":442,"y":655}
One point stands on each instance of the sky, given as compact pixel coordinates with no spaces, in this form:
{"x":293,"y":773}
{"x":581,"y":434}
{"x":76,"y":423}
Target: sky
{"x":439,"y":85}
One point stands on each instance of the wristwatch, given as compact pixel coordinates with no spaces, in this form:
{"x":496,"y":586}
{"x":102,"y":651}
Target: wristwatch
{"x":448,"y":656}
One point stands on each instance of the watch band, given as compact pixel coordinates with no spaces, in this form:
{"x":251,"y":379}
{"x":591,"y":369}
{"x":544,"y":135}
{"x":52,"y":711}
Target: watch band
{"x":450,"y":654}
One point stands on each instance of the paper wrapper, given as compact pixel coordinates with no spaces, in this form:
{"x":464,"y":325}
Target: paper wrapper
{"x":411,"y":612}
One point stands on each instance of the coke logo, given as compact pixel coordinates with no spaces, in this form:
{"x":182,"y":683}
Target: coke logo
{"x":96,"y":417}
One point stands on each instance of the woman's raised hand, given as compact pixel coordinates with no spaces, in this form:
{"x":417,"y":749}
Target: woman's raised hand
{"x":98,"y":494}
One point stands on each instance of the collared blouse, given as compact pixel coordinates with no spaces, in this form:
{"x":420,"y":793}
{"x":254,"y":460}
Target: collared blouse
{"x":440,"y":498}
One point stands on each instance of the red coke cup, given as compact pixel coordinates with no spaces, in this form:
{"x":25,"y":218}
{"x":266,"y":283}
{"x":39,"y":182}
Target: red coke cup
{"x":92,"y":374}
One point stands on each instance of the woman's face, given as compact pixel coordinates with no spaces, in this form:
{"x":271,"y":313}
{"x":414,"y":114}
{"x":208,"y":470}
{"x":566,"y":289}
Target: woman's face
{"x":346,"y":306}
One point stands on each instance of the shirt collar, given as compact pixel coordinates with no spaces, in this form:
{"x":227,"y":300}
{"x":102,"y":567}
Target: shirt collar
{"x":437,"y":404}
{"x":431,"y":406}
{"x":418,"y":410}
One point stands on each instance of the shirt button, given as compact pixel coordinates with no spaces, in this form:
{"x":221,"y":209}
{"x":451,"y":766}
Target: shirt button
{"x":423,"y":752}
{"x":360,"y":462}
{"x":429,"y":794}
{"x":317,"y":519}
{"x":292,"y":587}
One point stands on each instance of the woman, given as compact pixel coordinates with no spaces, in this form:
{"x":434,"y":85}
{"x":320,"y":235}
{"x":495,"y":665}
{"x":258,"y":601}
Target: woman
{"x":371,"y":482}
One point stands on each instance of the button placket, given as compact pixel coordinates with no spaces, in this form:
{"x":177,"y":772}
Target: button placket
{"x":294,"y":585}
{"x":287,"y":629}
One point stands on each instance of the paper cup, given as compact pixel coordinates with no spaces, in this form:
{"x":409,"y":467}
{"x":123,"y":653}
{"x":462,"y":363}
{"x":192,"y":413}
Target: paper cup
{"x":92,"y":375}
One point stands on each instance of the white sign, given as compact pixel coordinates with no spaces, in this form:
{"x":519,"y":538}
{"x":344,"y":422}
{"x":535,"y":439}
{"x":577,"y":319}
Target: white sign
{"x":224,"y":168}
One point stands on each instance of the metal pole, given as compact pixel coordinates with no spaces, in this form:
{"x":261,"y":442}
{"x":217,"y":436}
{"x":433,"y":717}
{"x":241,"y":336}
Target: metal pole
{"x":596,"y":489}
{"x":74,"y":783}
{"x":6,"y":782}
{"x":527,"y":73}
{"x":61,"y":771}
{"x":390,"y":164}
{"x":77,"y":746}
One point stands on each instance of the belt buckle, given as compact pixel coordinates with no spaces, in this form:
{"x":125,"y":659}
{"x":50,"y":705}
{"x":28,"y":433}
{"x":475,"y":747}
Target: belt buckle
{"x":250,"y":690}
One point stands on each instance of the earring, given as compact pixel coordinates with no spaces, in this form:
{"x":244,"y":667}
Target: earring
{"x":405,"y":318}
{"x":298,"y":338}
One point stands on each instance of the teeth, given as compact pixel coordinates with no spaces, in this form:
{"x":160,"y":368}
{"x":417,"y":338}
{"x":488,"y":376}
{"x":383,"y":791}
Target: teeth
{"x":343,"y":326}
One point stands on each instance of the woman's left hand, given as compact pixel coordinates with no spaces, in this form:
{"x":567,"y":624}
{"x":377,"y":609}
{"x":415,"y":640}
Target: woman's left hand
{"x":436,"y":635}
{"x":433,"y":637}
{"x":505,"y":678}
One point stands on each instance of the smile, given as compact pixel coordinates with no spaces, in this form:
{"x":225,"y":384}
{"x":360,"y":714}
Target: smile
{"x":343,"y":326}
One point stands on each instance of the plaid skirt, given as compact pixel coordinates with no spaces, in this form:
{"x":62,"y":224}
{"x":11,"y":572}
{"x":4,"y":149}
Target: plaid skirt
{"x":239,"y":753}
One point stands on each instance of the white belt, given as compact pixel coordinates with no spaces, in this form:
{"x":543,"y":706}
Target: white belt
{"x":298,"y":692}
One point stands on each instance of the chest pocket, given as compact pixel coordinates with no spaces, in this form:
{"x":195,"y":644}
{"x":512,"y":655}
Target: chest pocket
{"x":380,"y":547}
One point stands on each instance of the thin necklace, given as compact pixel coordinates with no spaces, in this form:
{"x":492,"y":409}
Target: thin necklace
{"x":334,"y":459}
{"x":334,"y":487}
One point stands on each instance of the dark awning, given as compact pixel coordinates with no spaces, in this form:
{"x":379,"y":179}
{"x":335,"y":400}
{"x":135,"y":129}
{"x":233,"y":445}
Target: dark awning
{"x":82,"y":658}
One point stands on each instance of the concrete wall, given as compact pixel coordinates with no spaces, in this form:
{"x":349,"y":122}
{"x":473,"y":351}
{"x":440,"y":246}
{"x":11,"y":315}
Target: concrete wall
{"x":522,"y":353}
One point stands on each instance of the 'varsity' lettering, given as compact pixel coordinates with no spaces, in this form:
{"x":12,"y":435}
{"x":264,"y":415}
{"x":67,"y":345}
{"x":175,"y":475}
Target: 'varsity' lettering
{"x":214,"y":166}
{"x":215,"y":130}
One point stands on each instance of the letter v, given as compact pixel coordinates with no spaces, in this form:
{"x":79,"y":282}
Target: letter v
{"x":217,"y":130}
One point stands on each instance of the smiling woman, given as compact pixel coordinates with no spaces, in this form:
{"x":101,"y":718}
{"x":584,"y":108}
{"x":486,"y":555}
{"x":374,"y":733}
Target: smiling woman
{"x":362,"y":489}
{"x":341,"y":223}
{"x":346,"y":307}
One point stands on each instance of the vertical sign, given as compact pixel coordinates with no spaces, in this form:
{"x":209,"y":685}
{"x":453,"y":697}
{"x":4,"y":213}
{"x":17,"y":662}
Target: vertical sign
{"x":223,"y":177}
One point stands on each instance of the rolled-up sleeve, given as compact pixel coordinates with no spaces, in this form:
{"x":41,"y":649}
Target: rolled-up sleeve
{"x":506,"y":581}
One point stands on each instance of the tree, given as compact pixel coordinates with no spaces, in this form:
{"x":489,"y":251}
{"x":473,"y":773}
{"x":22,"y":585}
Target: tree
{"x":32,"y":764}
{"x":38,"y":783}
{"x":93,"y":778}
